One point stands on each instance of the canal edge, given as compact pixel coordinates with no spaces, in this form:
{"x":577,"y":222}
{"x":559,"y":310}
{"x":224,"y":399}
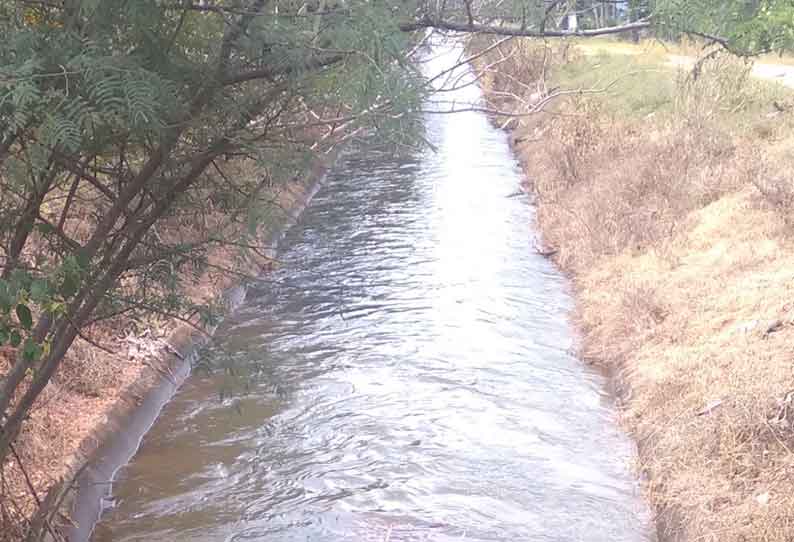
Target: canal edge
{"x":111,"y":445}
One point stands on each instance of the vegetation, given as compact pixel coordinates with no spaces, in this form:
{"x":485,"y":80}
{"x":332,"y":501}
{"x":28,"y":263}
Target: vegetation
{"x":744,"y":27}
{"x":136,"y":137}
{"x":667,"y":197}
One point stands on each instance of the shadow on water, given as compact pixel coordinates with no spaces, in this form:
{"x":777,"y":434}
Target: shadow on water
{"x":408,"y":378}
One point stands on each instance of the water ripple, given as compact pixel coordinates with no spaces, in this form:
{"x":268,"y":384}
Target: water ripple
{"x":408,"y":378}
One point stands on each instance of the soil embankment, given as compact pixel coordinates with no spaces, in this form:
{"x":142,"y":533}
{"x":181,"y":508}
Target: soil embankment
{"x":667,"y":195}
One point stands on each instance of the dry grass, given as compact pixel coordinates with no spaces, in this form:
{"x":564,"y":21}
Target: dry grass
{"x":670,"y":203}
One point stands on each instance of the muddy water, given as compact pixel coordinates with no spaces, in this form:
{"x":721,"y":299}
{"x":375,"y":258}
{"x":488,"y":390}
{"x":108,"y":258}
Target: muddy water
{"x":406,"y":375}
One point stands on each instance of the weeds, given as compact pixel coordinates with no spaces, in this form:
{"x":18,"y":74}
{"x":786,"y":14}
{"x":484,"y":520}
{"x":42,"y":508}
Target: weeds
{"x":670,"y":200}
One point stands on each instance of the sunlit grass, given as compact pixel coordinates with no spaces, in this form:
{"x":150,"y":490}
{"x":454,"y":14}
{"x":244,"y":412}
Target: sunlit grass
{"x":669,"y":199}
{"x":655,"y":78}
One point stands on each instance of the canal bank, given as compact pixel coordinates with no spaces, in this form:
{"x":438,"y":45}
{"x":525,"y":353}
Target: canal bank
{"x":153,"y":377}
{"x":666,"y":197}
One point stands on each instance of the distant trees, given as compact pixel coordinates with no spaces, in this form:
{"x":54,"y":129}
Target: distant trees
{"x":745,"y":27}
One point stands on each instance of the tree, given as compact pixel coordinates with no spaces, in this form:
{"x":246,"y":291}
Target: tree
{"x":744,"y":27}
{"x":129,"y":115}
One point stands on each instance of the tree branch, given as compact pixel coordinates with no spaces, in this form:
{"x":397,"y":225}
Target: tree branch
{"x":79,"y":170}
{"x":725,"y":43}
{"x":514,"y":30}
{"x":546,"y":16}
{"x":270,"y":72}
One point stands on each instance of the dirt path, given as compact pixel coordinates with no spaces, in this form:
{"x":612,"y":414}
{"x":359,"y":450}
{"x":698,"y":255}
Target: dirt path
{"x":777,"y":72}
{"x":781,"y":73}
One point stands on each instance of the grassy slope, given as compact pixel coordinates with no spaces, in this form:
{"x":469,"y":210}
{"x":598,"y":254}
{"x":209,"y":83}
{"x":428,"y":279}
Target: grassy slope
{"x":669,"y":201}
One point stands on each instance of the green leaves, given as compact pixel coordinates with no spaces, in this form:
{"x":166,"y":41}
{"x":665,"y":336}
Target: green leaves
{"x":747,"y":28}
{"x":70,"y":284}
{"x":25,"y":316}
{"x":6,"y":297}
{"x":40,"y":291}
{"x":23,"y":295}
{"x":71,"y":273}
{"x":14,"y":295}
{"x":32,"y":351}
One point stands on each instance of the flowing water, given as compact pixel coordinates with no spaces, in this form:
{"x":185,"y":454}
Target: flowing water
{"x":408,"y":377}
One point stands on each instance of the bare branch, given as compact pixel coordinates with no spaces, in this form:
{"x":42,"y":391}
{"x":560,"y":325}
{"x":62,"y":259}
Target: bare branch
{"x":25,"y":475}
{"x":514,"y":30}
{"x":269,"y":72}
{"x":80,"y":171}
{"x":537,"y":107}
{"x":468,"y":60}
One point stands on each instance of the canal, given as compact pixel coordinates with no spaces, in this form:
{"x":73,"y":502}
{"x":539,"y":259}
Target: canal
{"x":406,"y":375}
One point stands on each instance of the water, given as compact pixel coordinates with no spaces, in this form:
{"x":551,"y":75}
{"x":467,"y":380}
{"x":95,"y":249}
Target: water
{"x":409,"y":377}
